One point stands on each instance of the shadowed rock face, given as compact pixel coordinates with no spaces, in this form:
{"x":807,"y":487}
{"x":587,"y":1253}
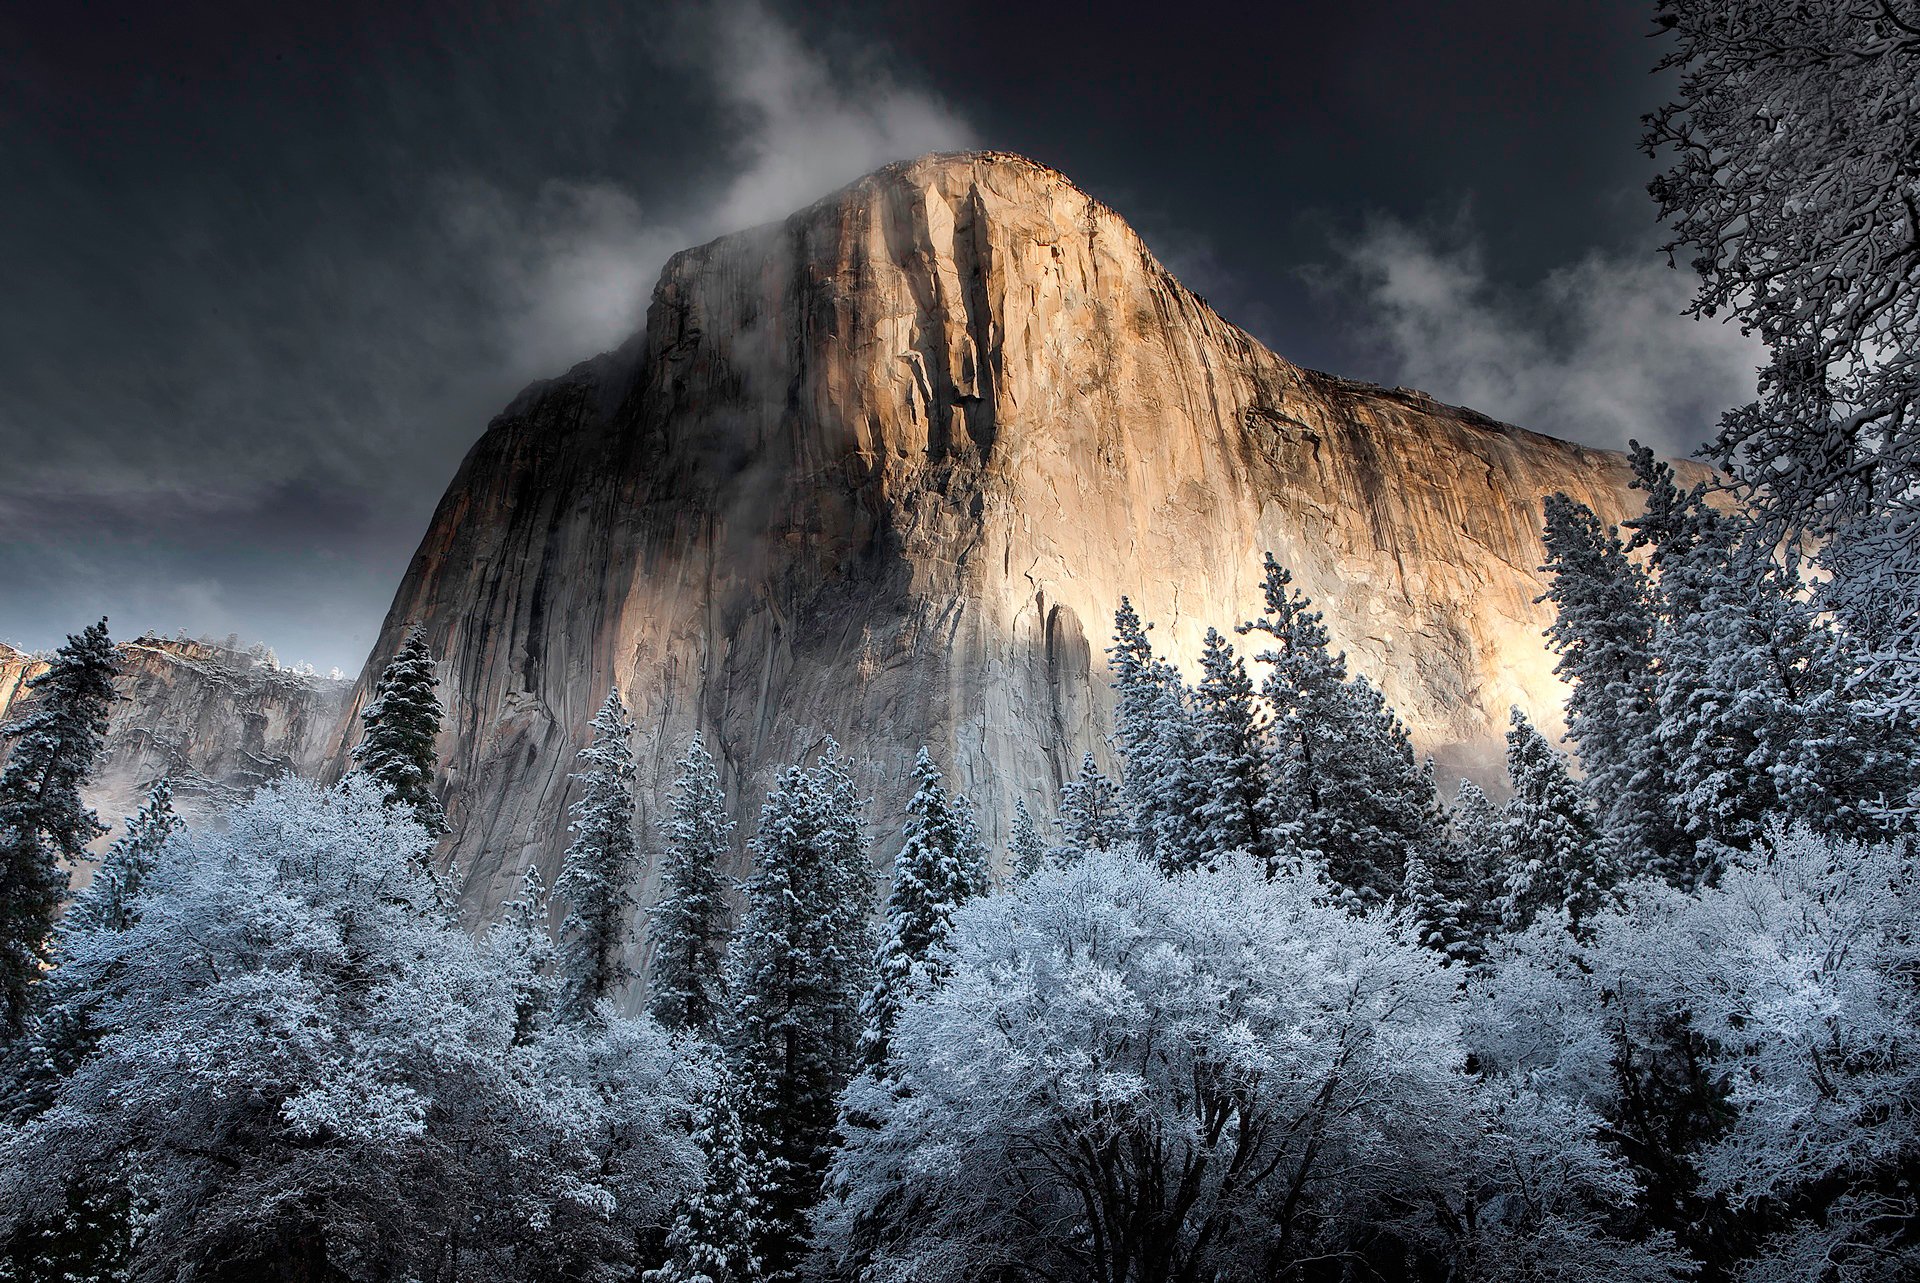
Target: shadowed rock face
{"x":219,"y":722}
{"x":882,"y":472}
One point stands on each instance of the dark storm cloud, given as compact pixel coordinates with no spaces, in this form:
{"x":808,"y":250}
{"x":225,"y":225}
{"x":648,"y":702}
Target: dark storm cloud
{"x":267,"y":272}
{"x":270,"y":278}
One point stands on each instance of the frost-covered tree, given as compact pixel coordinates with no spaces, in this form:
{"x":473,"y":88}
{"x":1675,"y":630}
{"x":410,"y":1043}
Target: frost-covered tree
{"x":1762,"y":707}
{"x":1552,"y":851}
{"x":1231,"y":755}
{"x":42,"y":819}
{"x":597,"y":873}
{"x":1092,"y":814}
{"x":303,"y":1068}
{"x":1790,"y":192}
{"x":1479,"y":882}
{"x":1438,"y":920}
{"x":934,"y":874}
{"x":1220,"y":1075}
{"x":66,"y":1029}
{"x":1153,"y":730}
{"x":111,"y":900}
{"x":522,"y":945}
{"x":1026,"y":853}
{"x":721,"y":1232}
{"x":1345,"y":788}
{"x":1603,"y":632}
{"x":689,"y":923}
{"x":398,"y":728}
{"x":796,"y":973}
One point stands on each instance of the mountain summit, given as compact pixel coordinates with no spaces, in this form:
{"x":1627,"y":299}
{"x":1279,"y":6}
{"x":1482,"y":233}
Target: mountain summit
{"x":882,"y":471}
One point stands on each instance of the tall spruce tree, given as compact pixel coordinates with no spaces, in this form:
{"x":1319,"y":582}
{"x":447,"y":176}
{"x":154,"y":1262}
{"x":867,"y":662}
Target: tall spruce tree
{"x":722,"y":1232}
{"x":1092,"y":814}
{"x":1153,"y":730}
{"x":1026,"y":853}
{"x":1230,"y":766}
{"x":934,"y":874}
{"x":597,"y":873}
{"x":796,"y":973}
{"x":111,"y":900}
{"x":1762,"y":709}
{"x":1552,"y":850}
{"x":522,"y":944}
{"x":42,"y":819}
{"x":1473,"y":828}
{"x":1603,"y":631}
{"x":400,"y":724}
{"x":689,"y":924}
{"x":1344,"y":785}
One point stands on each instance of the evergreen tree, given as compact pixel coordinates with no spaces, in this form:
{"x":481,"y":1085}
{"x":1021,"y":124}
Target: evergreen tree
{"x":690,"y":921}
{"x":401,"y":723}
{"x":721,"y":1232}
{"x":523,"y":946}
{"x":1761,"y":708}
{"x":42,"y":819}
{"x":596,"y":876}
{"x":1230,"y":767}
{"x":1026,"y":854}
{"x":110,"y":902}
{"x":1092,"y":814}
{"x":1480,"y":886}
{"x":1154,"y":733}
{"x":1603,"y":631}
{"x":933,"y":875}
{"x":797,"y":969}
{"x":1552,"y":851}
{"x":1344,"y":786}
{"x":1438,"y":920}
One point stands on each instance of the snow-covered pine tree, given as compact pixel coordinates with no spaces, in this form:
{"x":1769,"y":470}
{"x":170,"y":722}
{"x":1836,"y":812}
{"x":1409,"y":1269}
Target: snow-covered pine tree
{"x":1344,"y":787}
{"x":1154,"y":732}
{"x":1603,"y":632}
{"x":1436,"y":918}
{"x":1480,"y":887}
{"x":1092,"y":814}
{"x":42,"y":819}
{"x":1026,"y":853}
{"x":1554,"y":856}
{"x":1230,"y":766}
{"x":689,"y":924}
{"x":796,"y":972}
{"x":934,"y":874}
{"x":111,"y":900}
{"x":522,"y":944}
{"x":597,"y":873}
{"x":400,"y":724}
{"x":1762,"y":710}
{"x":720,"y":1233}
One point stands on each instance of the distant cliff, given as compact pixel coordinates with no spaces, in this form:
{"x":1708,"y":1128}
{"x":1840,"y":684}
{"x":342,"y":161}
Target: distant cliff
{"x":882,"y":472}
{"x":218,"y":721}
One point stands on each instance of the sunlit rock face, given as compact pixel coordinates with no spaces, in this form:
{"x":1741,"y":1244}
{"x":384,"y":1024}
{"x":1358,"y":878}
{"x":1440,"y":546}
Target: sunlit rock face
{"x":881,"y":472}
{"x":219,"y":721}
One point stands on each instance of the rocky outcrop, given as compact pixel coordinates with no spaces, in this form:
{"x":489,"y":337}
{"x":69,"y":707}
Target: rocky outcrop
{"x":218,"y":720}
{"x":882,"y":472}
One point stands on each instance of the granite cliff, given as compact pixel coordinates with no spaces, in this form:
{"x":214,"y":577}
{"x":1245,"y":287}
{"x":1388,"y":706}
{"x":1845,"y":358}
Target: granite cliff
{"x":218,"y":720}
{"x":882,"y":472}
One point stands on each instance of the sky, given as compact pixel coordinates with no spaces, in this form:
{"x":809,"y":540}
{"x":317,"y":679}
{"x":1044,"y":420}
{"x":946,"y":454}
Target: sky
{"x":266,"y":271}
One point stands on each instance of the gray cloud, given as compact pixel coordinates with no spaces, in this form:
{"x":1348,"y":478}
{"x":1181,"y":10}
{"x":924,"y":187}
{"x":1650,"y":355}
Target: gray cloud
{"x":1597,"y":350}
{"x":230,"y":396}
